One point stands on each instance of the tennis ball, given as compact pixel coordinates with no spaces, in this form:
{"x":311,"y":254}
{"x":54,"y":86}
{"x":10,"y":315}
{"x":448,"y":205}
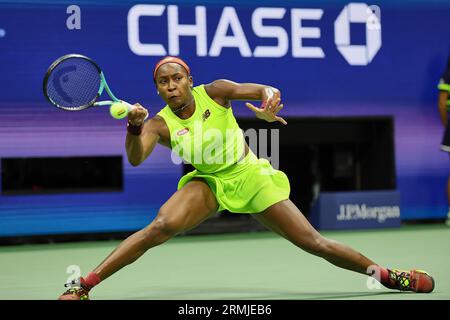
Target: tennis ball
{"x":118,"y":110}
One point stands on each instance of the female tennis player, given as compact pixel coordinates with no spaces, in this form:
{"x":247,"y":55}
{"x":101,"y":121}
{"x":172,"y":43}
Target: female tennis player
{"x":228,"y":176}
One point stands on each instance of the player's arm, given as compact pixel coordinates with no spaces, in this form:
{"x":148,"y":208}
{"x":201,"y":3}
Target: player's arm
{"x":442,"y":103}
{"x":223,"y":91}
{"x":444,"y":91}
{"x":139,"y":147}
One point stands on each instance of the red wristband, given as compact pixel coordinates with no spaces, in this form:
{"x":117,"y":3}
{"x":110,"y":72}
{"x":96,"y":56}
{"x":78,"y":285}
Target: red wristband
{"x":90,"y":281}
{"x":134,"y":130}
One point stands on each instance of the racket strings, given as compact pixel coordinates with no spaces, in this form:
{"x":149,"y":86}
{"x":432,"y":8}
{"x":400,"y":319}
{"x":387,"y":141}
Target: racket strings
{"x":73,"y":84}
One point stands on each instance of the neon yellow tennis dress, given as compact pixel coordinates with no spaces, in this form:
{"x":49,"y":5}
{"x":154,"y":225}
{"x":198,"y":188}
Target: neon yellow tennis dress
{"x":213,"y":143}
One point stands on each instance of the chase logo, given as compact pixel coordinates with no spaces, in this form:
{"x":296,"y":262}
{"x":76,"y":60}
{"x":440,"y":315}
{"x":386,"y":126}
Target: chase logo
{"x":358,"y":13}
{"x":265,"y":24}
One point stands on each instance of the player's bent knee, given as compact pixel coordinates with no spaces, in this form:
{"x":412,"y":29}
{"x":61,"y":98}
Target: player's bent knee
{"x":167,"y":225}
{"x":158,"y":232}
{"x":163,"y":226}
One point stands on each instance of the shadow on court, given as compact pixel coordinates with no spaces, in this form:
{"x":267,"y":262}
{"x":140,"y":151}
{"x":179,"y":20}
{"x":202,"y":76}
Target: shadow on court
{"x":174,"y":293}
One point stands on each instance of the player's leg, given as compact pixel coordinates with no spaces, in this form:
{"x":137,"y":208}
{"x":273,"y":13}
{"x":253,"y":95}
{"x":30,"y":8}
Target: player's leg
{"x":286,"y":219}
{"x":448,"y":198}
{"x":445,"y":146}
{"x":187,"y":207}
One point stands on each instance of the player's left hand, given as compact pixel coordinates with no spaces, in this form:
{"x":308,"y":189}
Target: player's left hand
{"x":270,"y":106}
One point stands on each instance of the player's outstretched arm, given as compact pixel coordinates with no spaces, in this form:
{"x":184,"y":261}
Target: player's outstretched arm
{"x":223,"y":91}
{"x":442,"y":104}
{"x":141,"y":137}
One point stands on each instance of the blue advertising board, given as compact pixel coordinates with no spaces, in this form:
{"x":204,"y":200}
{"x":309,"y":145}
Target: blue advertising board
{"x":356,"y":210}
{"x":328,"y":58}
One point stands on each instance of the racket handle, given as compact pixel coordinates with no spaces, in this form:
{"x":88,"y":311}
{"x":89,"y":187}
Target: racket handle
{"x":131,"y":107}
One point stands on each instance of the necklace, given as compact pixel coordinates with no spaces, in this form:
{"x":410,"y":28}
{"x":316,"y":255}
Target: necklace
{"x":183,"y":107}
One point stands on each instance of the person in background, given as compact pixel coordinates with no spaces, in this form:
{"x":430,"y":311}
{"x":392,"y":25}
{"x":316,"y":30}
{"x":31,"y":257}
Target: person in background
{"x":444,"y":107}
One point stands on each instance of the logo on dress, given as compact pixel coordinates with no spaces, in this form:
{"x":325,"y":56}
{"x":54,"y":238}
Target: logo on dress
{"x":182,"y":131}
{"x":206,"y":114}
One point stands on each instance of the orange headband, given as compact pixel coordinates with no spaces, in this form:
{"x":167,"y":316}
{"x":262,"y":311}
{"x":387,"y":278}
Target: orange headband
{"x":171,"y":60}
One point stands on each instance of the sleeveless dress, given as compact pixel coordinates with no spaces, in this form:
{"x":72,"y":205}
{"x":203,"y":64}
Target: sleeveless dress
{"x":213,"y":143}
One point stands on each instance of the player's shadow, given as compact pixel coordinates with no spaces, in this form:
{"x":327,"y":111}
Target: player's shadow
{"x":234,"y":293}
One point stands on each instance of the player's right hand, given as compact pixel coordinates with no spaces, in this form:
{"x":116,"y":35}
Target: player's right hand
{"x":137,"y":116}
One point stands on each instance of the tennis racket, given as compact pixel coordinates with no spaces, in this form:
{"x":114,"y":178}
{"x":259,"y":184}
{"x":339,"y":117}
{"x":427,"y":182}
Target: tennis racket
{"x":74,"y":82}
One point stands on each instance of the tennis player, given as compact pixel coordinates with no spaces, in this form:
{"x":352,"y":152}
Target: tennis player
{"x":228,"y":176}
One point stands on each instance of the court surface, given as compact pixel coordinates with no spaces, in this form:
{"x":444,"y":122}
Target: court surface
{"x":257,"y":266}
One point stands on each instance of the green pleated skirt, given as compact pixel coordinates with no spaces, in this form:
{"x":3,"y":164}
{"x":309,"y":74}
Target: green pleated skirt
{"x":249,"y":186}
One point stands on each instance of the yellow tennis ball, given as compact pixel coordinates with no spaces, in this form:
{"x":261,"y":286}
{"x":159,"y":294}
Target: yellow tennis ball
{"x":118,"y":110}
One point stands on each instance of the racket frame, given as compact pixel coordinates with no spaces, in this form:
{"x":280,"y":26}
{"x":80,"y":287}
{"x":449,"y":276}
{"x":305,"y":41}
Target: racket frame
{"x":103,"y":86}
